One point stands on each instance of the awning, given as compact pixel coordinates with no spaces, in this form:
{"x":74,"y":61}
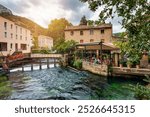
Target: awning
{"x":97,"y":46}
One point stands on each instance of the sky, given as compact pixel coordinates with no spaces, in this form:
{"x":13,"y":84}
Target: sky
{"x":43,"y":11}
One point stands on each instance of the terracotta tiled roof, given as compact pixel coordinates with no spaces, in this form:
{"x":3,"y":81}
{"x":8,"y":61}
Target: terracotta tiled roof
{"x":85,"y":27}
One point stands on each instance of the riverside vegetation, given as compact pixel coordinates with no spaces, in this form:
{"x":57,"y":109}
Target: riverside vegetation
{"x":5,"y":88}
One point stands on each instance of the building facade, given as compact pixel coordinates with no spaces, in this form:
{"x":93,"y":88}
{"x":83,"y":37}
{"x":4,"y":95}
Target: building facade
{"x":14,"y":37}
{"x":86,"y":34}
{"x":45,"y":42}
{"x":94,"y":41}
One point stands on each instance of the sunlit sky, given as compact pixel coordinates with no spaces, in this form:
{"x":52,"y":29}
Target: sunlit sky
{"x":43,"y":11}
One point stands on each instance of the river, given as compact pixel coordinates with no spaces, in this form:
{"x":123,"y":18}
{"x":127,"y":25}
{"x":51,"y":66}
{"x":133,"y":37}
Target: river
{"x":65,"y":84}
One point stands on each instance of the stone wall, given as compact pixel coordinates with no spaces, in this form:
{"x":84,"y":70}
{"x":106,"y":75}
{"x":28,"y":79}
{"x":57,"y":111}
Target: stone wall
{"x":95,"y":68}
{"x":130,"y":71}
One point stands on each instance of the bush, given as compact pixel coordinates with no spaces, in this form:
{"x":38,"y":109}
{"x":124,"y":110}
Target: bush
{"x":35,"y":51}
{"x":77,"y":64}
{"x":141,"y":92}
{"x":42,"y":51}
{"x":5,"y":88}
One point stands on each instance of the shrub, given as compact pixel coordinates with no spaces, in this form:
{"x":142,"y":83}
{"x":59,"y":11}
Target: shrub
{"x":35,"y":51}
{"x":44,"y":51}
{"x":78,"y":64}
{"x":141,"y":92}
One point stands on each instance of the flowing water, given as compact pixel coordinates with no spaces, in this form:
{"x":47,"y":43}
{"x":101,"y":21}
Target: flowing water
{"x":62,"y":83}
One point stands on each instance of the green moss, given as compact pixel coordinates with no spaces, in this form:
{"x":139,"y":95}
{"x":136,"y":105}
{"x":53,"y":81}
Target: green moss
{"x":3,"y":78}
{"x":5,"y":88}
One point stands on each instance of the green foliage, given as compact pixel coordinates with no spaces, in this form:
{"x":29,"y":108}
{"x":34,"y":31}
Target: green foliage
{"x":4,"y":87}
{"x":83,"y":21}
{"x":123,"y":45}
{"x":35,"y":43}
{"x":141,"y":92}
{"x":121,"y":61}
{"x":63,"y":46}
{"x":135,"y":19}
{"x":96,"y":22}
{"x":41,"y":51}
{"x":45,"y":51}
{"x":147,"y":79}
{"x":56,"y":29}
{"x":129,"y":62}
{"x":90,"y":22}
{"x":133,"y":54}
{"x":78,"y":64}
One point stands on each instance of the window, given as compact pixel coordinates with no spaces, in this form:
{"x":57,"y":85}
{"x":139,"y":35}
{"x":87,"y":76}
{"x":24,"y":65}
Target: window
{"x":103,"y":40}
{"x":102,"y":31}
{"x":20,"y":37}
{"x":11,"y":26}
{"x":91,"y":40}
{"x":71,"y":33}
{"x":26,"y":32}
{"x":91,"y":31}
{"x":81,"y":41}
{"x":3,"y":46}
{"x":5,"y":25}
{"x":81,"y":32}
{"x":5,"y":33}
{"x":11,"y":45}
{"x":16,"y":46}
{"x":16,"y":29}
{"x":21,"y":30}
{"x":16,"y":36}
{"x":11,"y":35}
{"x":23,"y":46}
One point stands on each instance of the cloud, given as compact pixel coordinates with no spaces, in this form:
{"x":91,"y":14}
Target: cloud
{"x":43,"y":11}
{"x":15,"y":5}
{"x":76,"y":9}
{"x":73,"y":5}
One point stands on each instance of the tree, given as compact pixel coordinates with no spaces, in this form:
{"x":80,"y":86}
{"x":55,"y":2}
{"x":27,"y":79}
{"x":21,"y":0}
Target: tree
{"x":90,"y":22}
{"x":136,"y":19}
{"x":64,"y":46}
{"x":56,"y":28}
{"x":35,"y":43}
{"x":83,"y":21}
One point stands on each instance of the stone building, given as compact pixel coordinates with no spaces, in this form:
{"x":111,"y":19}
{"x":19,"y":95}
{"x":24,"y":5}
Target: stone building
{"x":14,"y":37}
{"x":94,"y":40}
{"x":86,"y":34}
{"x":45,"y":42}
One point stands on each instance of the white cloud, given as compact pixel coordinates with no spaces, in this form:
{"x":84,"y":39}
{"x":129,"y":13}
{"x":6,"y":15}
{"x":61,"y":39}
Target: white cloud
{"x":43,"y":11}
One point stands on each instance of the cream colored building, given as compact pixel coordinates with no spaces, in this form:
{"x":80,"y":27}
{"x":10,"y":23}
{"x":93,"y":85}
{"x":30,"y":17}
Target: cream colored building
{"x":86,"y":34}
{"x":89,"y":40}
{"x":45,"y":42}
{"x":14,"y":37}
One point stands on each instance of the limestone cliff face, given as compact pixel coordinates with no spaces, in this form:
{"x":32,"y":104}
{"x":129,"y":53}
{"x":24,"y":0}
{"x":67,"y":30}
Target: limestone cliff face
{"x":4,"y":10}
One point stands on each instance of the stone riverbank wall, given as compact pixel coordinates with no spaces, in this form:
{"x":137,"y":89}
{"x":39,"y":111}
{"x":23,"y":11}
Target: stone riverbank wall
{"x":103,"y":70}
{"x":95,"y":68}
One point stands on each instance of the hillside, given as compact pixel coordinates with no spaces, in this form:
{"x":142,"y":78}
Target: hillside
{"x":34,"y":27}
{"x":4,"y":10}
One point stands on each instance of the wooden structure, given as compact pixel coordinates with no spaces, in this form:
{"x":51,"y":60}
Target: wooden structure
{"x":32,"y":59}
{"x":100,"y":48}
